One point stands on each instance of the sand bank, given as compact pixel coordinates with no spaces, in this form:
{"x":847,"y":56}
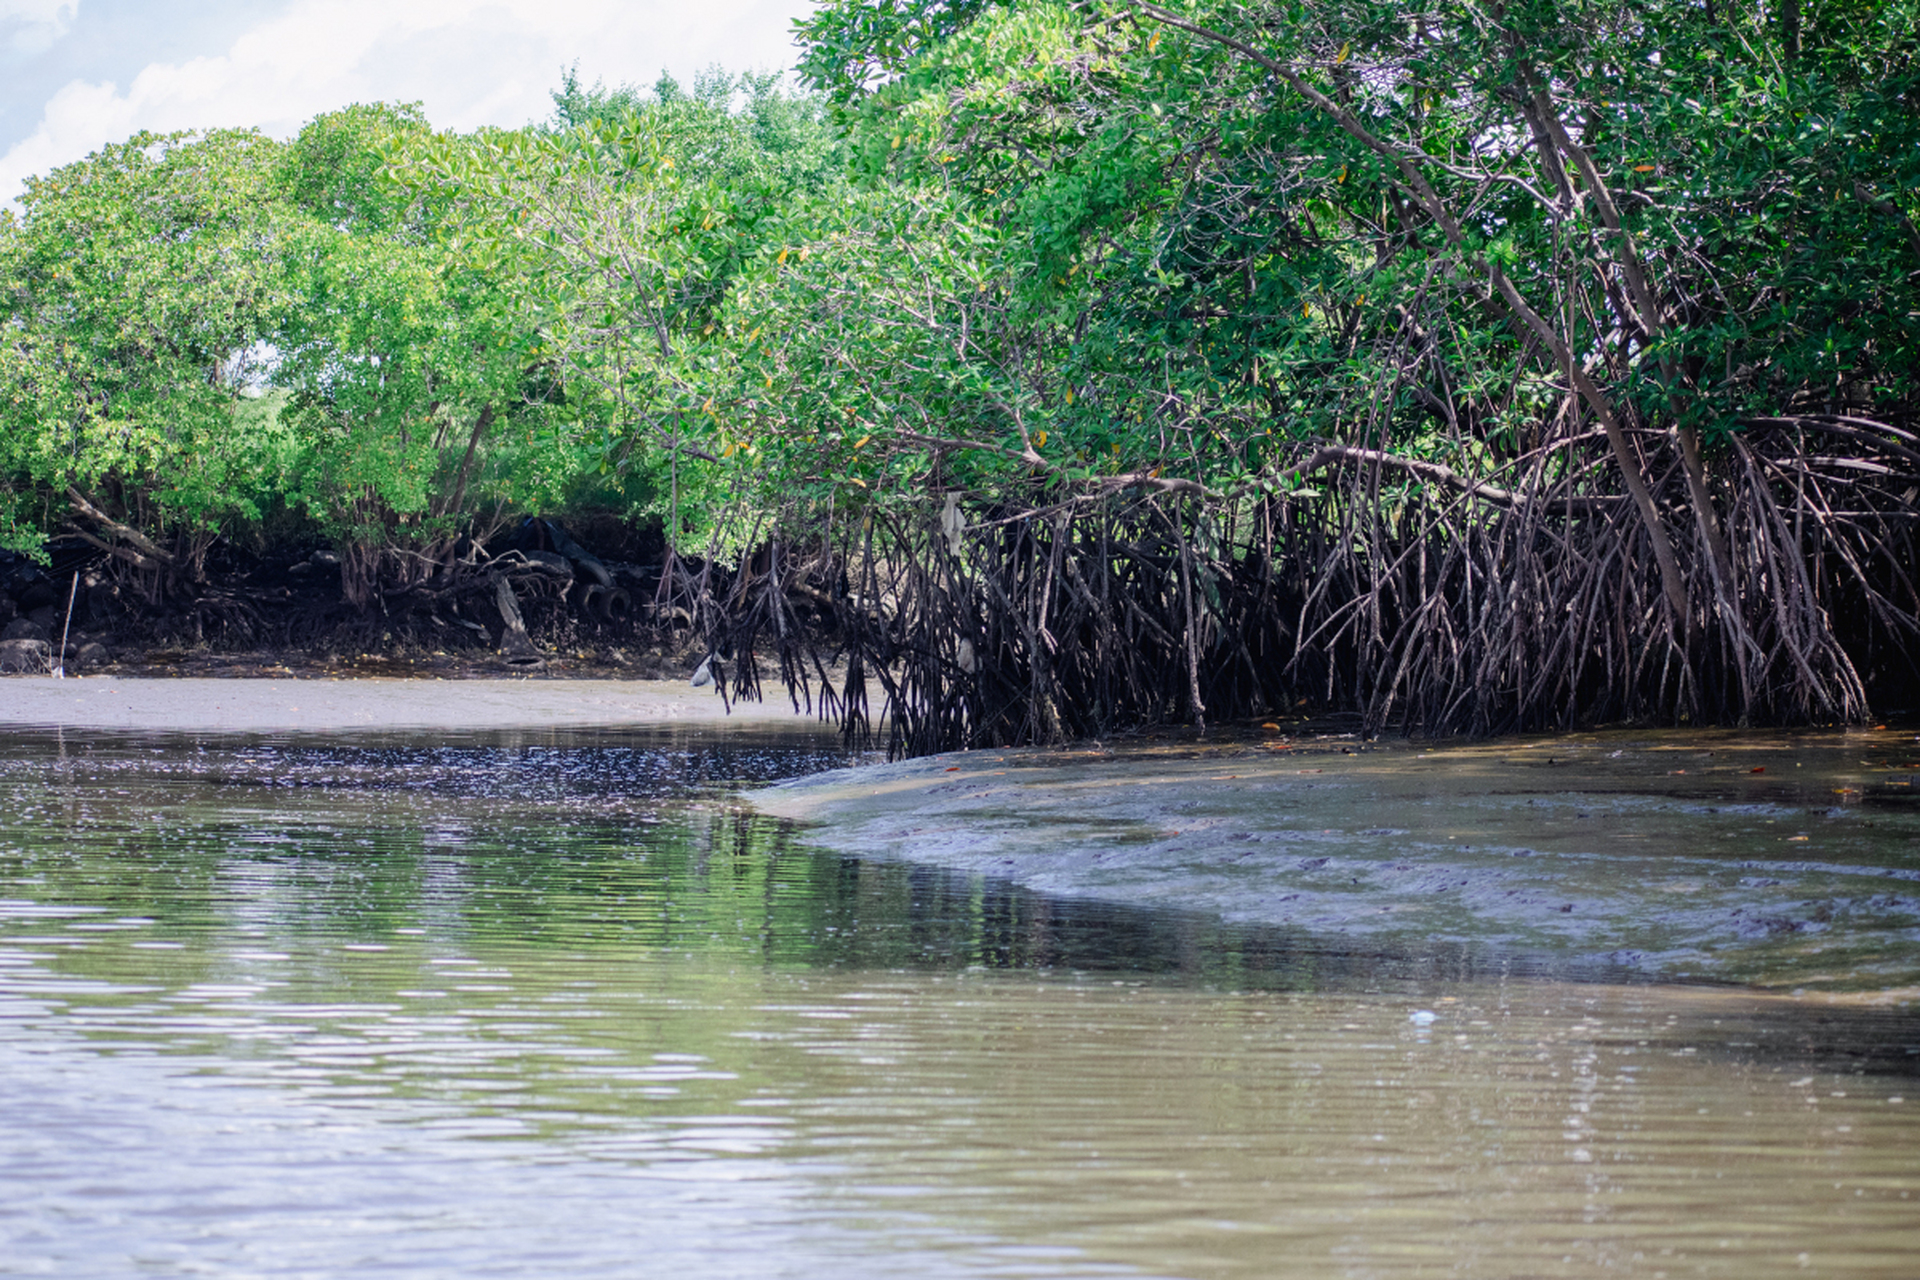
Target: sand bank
{"x":263,"y":706}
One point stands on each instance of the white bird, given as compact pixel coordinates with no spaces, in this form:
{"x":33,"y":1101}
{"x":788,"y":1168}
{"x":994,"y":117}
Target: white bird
{"x":703,"y":674}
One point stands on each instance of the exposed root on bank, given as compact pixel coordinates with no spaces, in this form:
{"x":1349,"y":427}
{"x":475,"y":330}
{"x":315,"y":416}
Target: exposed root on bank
{"x":1526,"y":600}
{"x":1419,"y":596}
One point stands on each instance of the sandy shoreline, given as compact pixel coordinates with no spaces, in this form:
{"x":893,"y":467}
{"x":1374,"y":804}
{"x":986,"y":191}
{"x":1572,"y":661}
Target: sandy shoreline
{"x":253,"y":706}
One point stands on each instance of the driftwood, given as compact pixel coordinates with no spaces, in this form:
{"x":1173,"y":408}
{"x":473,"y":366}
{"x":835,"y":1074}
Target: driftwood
{"x":515,"y":644}
{"x":140,"y":551}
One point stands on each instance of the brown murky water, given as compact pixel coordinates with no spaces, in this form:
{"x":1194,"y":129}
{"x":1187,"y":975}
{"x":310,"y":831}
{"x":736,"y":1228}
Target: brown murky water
{"x":549,"y":1005}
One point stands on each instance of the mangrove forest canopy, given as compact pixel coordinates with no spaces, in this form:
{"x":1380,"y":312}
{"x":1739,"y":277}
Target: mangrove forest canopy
{"x":1063,"y":367}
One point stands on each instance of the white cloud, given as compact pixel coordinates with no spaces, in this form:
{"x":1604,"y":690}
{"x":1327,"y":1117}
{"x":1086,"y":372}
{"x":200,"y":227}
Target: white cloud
{"x":31,"y":26}
{"x":472,"y":64}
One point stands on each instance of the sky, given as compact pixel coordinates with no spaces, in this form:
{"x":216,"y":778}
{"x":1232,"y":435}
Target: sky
{"x":78,"y":74}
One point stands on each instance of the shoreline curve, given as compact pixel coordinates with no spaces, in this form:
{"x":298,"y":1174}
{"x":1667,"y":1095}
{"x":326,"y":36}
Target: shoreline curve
{"x":215,"y":705}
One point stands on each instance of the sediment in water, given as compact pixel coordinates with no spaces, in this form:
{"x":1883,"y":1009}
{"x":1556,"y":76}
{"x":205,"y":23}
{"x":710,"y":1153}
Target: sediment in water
{"x":1774,"y":860}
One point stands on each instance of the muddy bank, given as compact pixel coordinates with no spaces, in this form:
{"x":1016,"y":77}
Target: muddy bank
{"x":1776,"y":860}
{"x":520,"y":607}
{"x":323,"y":705}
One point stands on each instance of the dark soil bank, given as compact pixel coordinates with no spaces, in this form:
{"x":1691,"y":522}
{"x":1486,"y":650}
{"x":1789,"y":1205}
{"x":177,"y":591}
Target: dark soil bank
{"x":584,"y":608}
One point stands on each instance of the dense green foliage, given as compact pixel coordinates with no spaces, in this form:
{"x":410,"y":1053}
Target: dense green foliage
{"x":1391,"y":278}
{"x":1543,"y":361}
{"x":366,"y":328}
{"x":1618,"y":305}
{"x":1200,"y":253}
{"x":134,"y":293}
{"x":627,"y":235}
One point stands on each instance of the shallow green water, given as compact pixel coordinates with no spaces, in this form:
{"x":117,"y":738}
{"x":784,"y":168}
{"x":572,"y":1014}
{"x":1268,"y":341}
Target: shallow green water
{"x":550,"y":1005}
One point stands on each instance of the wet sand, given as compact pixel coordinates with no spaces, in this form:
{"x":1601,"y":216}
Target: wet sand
{"x":294,"y":706}
{"x":1780,"y":860}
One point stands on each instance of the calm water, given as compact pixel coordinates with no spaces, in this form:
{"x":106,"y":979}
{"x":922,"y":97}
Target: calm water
{"x":549,"y":1005}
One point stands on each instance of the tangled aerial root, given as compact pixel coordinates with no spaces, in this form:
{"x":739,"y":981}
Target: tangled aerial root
{"x":1527,"y":599}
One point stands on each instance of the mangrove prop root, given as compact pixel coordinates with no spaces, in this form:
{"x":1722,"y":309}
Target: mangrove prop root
{"x":1520,"y":594}
{"x":1416,"y":603}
